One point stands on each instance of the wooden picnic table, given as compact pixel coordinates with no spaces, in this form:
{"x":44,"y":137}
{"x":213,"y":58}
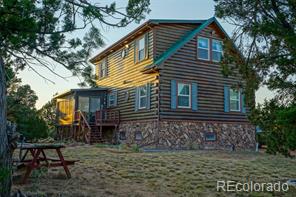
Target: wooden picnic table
{"x":39,"y":158}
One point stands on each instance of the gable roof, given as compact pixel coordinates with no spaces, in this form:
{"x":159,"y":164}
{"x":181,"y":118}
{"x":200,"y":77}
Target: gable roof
{"x":175,"y":47}
{"x":186,"y":38}
{"x":142,"y":27}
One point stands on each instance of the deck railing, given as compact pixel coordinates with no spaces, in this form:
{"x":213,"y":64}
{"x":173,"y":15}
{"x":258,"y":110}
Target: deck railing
{"x":107,"y":117}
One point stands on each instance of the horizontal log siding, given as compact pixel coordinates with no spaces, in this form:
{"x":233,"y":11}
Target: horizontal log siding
{"x":184,"y":66}
{"x":168,"y":34}
{"x":124,"y":75}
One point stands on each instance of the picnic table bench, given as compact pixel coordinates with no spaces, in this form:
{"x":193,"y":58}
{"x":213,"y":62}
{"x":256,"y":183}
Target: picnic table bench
{"x":39,"y":158}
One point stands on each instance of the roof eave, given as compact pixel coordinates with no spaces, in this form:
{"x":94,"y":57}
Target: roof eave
{"x":117,"y":43}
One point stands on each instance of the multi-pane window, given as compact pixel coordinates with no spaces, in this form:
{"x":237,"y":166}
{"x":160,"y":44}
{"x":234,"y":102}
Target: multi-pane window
{"x":142,"y":97}
{"x":234,"y":100}
{"x":112,"y":99}
{"x":103,"y":69}
{"x":141,"y":49}
{"x":203,"y":48}
{"x":216,"y":50}
{"x":184,"y":95}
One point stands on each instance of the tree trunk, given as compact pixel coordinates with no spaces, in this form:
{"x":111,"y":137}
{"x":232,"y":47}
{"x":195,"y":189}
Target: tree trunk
{"x":5,"y":152}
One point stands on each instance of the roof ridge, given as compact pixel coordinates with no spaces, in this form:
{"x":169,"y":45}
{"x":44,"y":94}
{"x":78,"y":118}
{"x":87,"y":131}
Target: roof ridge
{"x":147,"y":22}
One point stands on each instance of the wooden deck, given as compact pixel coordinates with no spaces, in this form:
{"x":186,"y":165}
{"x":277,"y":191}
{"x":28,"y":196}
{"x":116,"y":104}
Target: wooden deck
{"x":91,"y":132}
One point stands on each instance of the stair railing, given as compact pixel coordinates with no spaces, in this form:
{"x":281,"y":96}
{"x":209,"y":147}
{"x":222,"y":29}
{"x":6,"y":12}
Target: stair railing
{"x":84,"y":126}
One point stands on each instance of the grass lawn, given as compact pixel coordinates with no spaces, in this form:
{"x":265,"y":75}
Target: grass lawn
{"x":111,"y":172}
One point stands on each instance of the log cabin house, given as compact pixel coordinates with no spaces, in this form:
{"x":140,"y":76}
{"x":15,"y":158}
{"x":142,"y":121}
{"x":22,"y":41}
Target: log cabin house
{"x":161,"y":86}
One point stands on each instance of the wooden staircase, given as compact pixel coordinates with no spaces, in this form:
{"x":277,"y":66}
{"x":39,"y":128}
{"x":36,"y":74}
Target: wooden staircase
{"x":92,"y":132}
{"x":95,"y":134}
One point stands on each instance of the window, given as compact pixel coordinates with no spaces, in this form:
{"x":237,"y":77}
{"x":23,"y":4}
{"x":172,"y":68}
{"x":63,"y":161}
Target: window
{"x":83,"y":104}
{"x":234,"y":100}
{"x":184,"y":95}
{"x":216,"y":50}
{"x":122,"y":135}
{"x":112,"y":99}
{"x":142,"y":97}
{"x":138,"y":136}
{"x":103,"y":69}
{"x":210,"y":136}
{"x":94,"y":104}
{"x":124,"y":53}
{"x":203,"y":48}
{"x":126,"y":95}
{"x":141,"y":49}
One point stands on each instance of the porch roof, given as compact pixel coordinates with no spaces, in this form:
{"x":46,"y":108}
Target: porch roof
{"x":71,"y":91}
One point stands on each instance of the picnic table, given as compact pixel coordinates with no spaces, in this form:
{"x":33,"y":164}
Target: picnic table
{"x":39,"y":158}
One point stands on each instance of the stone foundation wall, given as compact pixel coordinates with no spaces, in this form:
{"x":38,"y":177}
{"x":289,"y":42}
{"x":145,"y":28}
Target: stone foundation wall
{"x":190,"y":134}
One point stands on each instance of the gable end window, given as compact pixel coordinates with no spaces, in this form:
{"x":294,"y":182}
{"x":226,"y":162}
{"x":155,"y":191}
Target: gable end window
{"x":141,"y":48}
{"x":203,"y":48}
{"x":217,"y":51}
{"x":234,"y":99}
{"x":103,"y":72}
{"x":184,"y":95}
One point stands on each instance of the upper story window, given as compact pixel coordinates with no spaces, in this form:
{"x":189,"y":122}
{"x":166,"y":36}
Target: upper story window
{"x":203,"y":48}
{"x":184,"y":95}
{"x":217,"y":50}
{"x":141,"y":49}
{"x":124,"y":53}
{"x":103,"y":72}
{"x":234,"y":98}
{"x":142,"y":97}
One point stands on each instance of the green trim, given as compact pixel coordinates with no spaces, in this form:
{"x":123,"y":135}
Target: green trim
{"x":156,"y":63}
{"x":180,"y":43}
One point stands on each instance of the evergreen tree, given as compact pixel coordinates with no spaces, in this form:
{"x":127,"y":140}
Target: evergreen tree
{"x":265,"y":33}
{"x":42,"y":32}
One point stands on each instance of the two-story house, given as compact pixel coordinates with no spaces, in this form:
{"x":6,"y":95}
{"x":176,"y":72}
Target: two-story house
{"x":162,"y":85}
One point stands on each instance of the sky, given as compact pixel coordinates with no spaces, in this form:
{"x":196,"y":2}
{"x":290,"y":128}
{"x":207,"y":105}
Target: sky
{"x":160,"y":9}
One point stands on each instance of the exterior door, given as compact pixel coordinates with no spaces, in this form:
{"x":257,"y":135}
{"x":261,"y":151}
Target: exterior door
{"x":94,"y":105}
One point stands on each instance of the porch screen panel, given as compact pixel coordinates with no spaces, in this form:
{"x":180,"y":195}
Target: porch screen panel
{"x":83,"y":104}
{"x":64,"y":113}
{"x":94,"y":104}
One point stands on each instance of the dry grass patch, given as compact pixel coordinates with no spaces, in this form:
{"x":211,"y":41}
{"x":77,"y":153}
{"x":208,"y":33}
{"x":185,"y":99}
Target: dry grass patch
{"x":107,"y":171}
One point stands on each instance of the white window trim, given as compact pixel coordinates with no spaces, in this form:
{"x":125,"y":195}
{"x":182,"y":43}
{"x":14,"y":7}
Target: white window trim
{"x":138,"y":48}
{"x":203,"y":48}
{"x":109,"y":95}
{"x":215,"y":40}
{"x":184,"y":107}
{"x":139,"y":89}
{"x":239,"y":101}
{"x":104,"y":62}
{"x":123,"y":53}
